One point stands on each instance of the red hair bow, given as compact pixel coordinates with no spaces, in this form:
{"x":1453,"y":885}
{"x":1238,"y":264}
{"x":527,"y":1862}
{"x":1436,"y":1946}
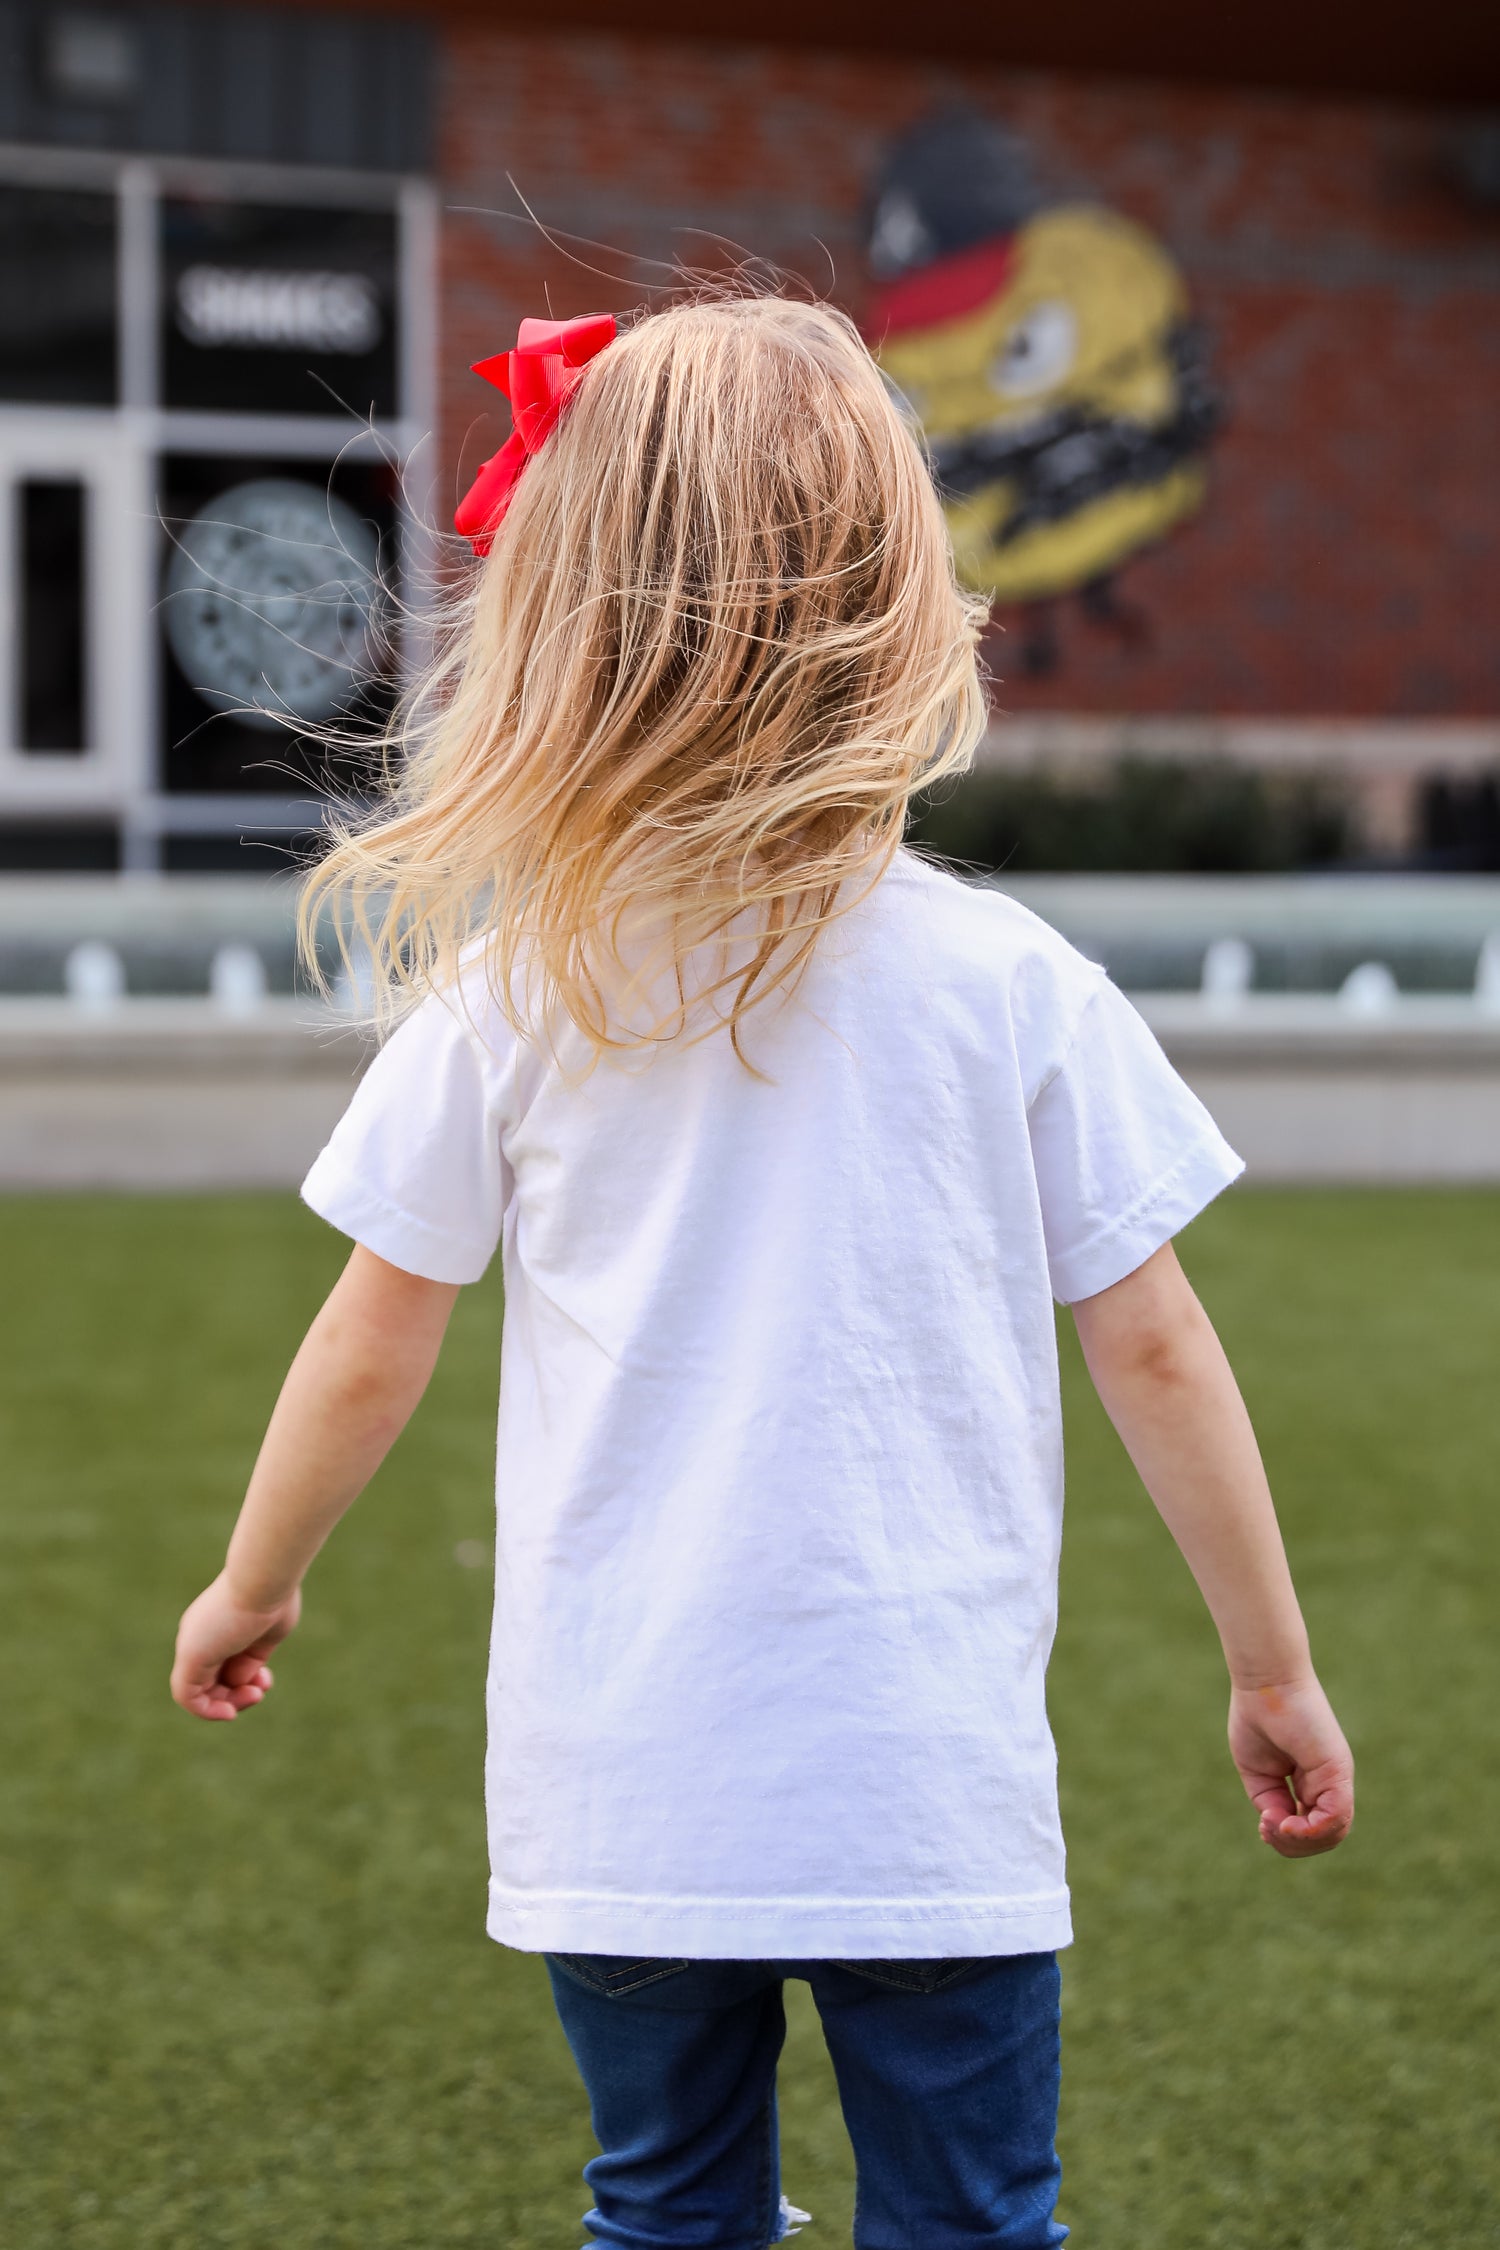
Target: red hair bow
{"x":538,"y":378}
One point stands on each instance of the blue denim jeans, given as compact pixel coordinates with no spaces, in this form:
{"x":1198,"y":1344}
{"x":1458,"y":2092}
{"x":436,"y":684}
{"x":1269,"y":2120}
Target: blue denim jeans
{"x":947,"y":2073}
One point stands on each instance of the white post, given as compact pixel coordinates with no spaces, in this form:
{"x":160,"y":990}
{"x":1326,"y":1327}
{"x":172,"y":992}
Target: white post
{"x":1228,"y":972}
{"x":237,"y":979}
{"x":94,"y":975}
{"x":1369,"y":990}
{"x":1487,"y":976}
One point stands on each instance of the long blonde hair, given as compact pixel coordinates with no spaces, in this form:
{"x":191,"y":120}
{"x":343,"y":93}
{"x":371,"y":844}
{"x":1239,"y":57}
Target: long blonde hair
{"x":717,"y":646}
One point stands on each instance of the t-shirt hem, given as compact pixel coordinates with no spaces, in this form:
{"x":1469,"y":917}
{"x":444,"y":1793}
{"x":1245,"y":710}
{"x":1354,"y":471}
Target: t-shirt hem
{"x":397,"y":1236}
{"x":1162,"y":1212}
{"x":779,"y":1930}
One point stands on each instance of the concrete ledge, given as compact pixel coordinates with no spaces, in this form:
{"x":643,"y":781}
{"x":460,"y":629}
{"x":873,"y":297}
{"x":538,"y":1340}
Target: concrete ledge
{"x":1370,"y":1127}
{"x":170,"y":1094}
{"x":1311,"y":1032}
{"x":174,"y":1094}
{"x":1308,"y":1092}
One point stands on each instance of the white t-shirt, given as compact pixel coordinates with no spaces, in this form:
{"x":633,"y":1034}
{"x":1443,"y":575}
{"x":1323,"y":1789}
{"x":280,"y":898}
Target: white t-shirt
{"x":780,"y":1451}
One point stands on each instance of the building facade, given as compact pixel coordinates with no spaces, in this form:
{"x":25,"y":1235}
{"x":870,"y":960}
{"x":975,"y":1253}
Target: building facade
{"x":246,"y":256}
{"x":218,"y":248}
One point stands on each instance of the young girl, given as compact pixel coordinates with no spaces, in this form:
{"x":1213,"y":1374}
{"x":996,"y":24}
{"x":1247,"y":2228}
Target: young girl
{"x":789,"y":1142}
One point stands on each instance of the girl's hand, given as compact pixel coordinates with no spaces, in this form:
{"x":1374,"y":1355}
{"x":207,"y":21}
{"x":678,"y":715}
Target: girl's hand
{"x":1297,"y":1768}
{"x":221,"y":1647}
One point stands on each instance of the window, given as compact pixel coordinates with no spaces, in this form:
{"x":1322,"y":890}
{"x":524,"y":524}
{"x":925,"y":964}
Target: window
{"x":51,"y":608}
{"x":201,"y":536}
{"x":57,"y":295}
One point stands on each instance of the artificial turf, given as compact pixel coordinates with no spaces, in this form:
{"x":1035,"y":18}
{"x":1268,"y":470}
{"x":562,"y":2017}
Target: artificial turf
{"x":246,"y":1997}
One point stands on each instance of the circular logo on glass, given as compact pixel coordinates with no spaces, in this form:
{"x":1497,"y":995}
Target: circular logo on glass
{"x":270,"y":598}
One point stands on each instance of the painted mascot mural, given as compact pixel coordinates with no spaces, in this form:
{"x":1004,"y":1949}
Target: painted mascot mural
{"x":1046,"y":348}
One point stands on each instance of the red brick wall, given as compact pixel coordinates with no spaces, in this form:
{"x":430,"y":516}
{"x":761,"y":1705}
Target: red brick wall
{"x":1348,"y":560}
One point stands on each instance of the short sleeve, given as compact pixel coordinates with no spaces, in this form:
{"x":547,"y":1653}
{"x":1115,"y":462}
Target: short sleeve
{"x":1125,"y":1154}
{"x":414,"y":1169}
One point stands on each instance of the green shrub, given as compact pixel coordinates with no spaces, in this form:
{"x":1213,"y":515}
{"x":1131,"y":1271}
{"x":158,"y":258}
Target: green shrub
{"x":1139,"y":816}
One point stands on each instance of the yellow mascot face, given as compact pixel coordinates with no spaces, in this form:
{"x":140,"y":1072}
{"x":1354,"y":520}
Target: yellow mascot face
{"x":1059,"y":386}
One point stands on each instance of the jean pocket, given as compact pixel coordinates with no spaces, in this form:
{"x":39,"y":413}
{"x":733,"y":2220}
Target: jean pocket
{"x":615,"y":1974}
{"x":913,"y":1976}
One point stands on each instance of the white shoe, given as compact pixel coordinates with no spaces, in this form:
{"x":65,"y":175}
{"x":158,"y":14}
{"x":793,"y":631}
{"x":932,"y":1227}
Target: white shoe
{"x":792,"y":2220}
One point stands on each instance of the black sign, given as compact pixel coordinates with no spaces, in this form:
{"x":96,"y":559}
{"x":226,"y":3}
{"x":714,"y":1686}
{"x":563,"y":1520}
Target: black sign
{"x":274,"y":620}
{"x":271,"y":308}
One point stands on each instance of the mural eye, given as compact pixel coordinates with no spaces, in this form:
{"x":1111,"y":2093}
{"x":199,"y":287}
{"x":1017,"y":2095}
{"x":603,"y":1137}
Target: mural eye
{"x":1037,"y":352}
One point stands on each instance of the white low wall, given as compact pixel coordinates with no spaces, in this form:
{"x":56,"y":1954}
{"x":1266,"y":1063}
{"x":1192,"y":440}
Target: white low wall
{"x":169,"y":1094}
{"x":1307,"y":1092}
{"x":173,"y":1094}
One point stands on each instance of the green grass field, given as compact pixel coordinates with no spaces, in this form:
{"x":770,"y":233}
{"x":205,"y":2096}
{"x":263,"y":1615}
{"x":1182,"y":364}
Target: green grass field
{"x":246,"y":1995}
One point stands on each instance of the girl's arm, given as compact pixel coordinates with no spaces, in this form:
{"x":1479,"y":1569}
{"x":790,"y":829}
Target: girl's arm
{"x":350,"y":1392}
{"x":1166,"y":1385}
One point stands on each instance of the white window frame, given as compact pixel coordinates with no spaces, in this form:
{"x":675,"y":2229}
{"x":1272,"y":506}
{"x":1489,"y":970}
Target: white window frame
{"x":113,"y":451}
